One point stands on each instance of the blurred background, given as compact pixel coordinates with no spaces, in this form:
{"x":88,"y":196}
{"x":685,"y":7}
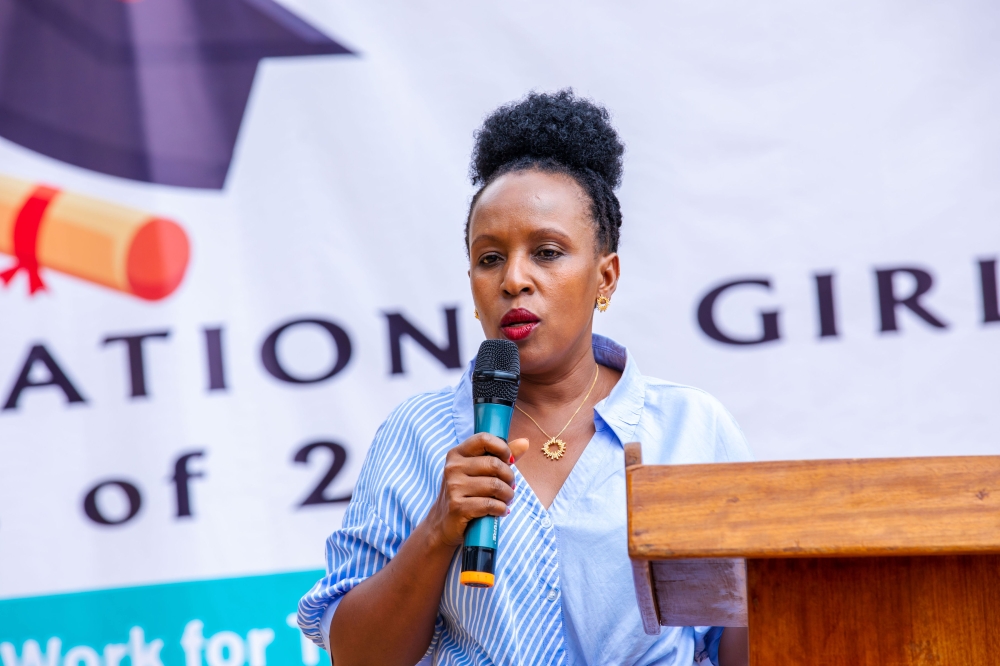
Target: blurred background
{"x":232,"y":237}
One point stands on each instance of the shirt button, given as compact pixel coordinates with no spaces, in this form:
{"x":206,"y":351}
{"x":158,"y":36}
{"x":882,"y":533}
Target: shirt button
{"x":546,"y":523}
{"x":551,"y":596}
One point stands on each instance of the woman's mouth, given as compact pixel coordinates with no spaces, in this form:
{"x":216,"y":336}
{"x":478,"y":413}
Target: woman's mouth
{"x":518,"y":324}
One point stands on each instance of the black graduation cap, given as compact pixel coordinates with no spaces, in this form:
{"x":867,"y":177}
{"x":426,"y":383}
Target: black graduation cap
{"x":151,"y":90}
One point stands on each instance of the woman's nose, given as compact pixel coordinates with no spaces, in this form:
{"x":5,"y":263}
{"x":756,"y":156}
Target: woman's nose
{"x":517,"y":277}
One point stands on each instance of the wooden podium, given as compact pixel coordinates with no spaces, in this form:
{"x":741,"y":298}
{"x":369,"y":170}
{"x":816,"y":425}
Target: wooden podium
{"x":841,"y":562}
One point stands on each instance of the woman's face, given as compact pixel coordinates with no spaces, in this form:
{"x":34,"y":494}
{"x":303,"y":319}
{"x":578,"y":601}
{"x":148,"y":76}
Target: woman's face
{"x":535,"y":268}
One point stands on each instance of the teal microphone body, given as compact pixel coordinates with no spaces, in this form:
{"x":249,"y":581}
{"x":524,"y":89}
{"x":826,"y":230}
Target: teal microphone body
{"x":494,"y":390}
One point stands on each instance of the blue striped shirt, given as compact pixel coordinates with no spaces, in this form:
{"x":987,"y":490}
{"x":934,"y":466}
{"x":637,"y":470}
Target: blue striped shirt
{"x":564,"y":592}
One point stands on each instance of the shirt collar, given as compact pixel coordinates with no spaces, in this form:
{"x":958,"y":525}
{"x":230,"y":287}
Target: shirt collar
{"x":621,"y":410}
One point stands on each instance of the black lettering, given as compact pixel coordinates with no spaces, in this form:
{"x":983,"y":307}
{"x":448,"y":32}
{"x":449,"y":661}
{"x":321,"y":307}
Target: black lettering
{"x":706,"y":317}
{"x":181,"y":477}
{"x":136,"y":365}
{"x":269,"y":351}
{"x":213,"y":351}
{"x":338,"y":457}
{"x":39,"y":354}
{"x":988,"y":280}
{"x":399,"y":326}
{"x":131,"y":494}
{"x":888,"y":300}
{"x":825,"y":305}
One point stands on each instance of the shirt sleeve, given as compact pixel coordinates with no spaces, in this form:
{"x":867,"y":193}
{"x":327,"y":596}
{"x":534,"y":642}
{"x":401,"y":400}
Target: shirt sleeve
{"x":731,"y":445}
{"x":355,"y":552}
{"x":397,"y":484}
{"x":683,"y":425}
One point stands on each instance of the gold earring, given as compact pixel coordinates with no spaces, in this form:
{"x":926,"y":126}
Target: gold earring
{"x":475,"y":313}
{"x":602,"y":303}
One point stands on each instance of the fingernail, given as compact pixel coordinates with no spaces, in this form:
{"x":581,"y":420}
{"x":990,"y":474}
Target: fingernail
{"x":511,"y":461}
{"x":508,"y":512}
{"x":513,"y":485}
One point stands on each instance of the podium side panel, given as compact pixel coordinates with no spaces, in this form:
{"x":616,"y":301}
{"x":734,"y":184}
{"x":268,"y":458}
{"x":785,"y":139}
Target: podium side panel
{"x":642,"y":577}
{"x":704,"y":592}
{"x":875,"y":611}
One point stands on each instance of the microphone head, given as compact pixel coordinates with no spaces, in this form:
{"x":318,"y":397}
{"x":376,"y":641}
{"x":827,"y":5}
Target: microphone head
{"x":497,"y":372}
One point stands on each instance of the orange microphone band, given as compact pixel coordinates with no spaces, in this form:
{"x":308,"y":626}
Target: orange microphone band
{"x":476,"y":579}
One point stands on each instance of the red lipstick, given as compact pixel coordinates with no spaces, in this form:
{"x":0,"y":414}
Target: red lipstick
{"x":518,"y":324}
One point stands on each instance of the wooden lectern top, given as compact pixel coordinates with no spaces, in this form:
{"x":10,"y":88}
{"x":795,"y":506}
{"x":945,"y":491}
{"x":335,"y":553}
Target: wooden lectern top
{"x":861,"y":562}
{"x":821,"y":508}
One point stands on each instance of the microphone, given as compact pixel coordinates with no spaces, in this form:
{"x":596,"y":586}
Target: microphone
{"x":494,"y":390}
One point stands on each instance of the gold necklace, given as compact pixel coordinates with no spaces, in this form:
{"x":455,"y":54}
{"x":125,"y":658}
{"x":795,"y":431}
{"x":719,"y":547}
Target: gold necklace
{"x":558,"y":443}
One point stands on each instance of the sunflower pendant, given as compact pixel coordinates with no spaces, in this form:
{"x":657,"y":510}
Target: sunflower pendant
{"x":558,"y":453}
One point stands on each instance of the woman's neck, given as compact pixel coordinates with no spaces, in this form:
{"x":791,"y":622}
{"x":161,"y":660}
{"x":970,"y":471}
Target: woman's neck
{"x":566,"y":382}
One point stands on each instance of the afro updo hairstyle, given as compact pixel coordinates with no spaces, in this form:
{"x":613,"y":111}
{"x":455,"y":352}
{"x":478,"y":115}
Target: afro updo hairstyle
{"x":555,"y":133}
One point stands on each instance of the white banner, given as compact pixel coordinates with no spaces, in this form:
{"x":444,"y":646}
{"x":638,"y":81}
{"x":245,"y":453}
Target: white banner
{"x":229,"y":311}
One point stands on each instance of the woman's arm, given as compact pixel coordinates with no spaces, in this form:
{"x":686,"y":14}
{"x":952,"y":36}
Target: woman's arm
{"x":734,"y":648}
{"x":389,"y":618}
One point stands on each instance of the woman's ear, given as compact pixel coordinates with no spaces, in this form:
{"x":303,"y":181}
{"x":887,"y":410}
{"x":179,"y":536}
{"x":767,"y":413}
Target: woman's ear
{"x":610,"y":270}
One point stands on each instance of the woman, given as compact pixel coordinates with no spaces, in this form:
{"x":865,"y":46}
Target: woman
{"x":542,"y":238}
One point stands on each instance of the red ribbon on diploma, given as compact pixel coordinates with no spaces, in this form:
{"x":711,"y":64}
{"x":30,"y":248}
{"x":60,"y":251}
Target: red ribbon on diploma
{"x":29,"y":220}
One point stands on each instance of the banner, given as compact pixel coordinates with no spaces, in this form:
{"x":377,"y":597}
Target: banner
{"x":231,"y":242}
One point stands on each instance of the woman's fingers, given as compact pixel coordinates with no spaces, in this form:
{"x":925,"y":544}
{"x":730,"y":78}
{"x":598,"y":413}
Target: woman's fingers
{"x":489,"y":466}
{"x":518,"y":447}
{"x":489,"y":487}
{"x":477,"y":496}
{"x":478,"y":481}
{"x":483,"y":443}
{"x":490,"y":507}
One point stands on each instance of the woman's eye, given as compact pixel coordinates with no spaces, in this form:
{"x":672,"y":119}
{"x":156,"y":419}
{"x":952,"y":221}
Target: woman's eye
{"x":549,"y":253}
{"x":489,"y":259}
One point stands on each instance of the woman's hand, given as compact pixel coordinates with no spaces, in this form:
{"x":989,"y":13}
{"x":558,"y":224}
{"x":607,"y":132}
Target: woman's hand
{"x":478,"y":481}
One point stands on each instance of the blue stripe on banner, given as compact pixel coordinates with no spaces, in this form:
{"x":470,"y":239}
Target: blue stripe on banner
{"x":226,"y":622}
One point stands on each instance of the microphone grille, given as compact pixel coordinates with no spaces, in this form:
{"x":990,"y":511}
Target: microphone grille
{"x":493,"y":356}
{"x":498,"y":355}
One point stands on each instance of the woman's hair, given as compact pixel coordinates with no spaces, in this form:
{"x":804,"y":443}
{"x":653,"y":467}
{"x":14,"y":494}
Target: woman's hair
{"x":556,"y":133}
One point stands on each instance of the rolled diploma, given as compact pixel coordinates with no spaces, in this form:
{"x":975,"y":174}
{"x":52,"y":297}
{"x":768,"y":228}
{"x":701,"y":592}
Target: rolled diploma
{"x":126,"y":249}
